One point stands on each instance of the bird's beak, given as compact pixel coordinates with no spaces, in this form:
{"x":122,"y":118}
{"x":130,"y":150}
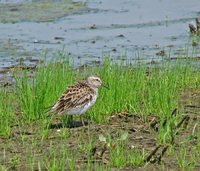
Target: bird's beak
{"x":105,"y":87}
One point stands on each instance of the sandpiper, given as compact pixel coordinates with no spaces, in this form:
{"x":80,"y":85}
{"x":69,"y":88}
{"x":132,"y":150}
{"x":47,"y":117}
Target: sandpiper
{"x":78,"y":98}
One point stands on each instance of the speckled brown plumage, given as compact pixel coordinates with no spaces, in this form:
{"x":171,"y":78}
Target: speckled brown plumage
{"x":78,"y":98}
{"x":75,"y":96}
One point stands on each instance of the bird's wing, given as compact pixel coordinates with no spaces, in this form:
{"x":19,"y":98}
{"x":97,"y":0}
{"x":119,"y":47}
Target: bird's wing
{"x":73,"y":97}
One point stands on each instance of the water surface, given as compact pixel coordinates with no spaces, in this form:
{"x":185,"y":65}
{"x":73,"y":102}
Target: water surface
{"x":135,"y":28}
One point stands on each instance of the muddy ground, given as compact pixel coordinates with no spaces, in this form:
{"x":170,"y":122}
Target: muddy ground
{"x":27,"y":141}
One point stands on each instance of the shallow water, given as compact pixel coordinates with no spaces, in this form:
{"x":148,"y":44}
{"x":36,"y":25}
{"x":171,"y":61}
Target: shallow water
{"x":135,"y":28}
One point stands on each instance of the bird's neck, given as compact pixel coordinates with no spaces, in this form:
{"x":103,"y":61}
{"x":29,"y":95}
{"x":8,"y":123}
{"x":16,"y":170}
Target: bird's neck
{"x":94,"y":88}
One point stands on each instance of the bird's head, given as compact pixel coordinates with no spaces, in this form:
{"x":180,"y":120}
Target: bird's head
{"x":95,"y":81}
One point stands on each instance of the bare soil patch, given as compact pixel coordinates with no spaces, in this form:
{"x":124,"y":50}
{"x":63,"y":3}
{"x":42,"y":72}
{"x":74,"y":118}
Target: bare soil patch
{"x":28,"y":141}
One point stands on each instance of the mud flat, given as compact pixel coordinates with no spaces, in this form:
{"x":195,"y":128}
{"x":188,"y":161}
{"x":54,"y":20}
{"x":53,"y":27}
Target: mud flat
{"x":87,"y":30}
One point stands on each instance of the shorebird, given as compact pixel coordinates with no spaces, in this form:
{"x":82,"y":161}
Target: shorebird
{"x":78,"y":98}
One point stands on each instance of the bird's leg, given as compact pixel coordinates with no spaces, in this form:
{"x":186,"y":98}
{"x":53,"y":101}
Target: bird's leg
{"x":70,"y":120}
{"x":81,"y":118}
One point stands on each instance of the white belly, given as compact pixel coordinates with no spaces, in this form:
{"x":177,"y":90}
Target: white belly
{"x":82,"y":109}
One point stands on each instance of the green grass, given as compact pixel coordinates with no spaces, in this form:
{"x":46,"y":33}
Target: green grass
{"x":7,"y":110}
{"x":38,"y":93}
{"x":131,"y":89}
{"x":145,"y":90}
{"x":119,"y":156}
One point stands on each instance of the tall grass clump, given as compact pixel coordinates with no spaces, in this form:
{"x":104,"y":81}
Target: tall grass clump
{"x":7,"y":99}
{"x":142,"y":89}
{"x":133,"y":88}
{"x":37,"y":93}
